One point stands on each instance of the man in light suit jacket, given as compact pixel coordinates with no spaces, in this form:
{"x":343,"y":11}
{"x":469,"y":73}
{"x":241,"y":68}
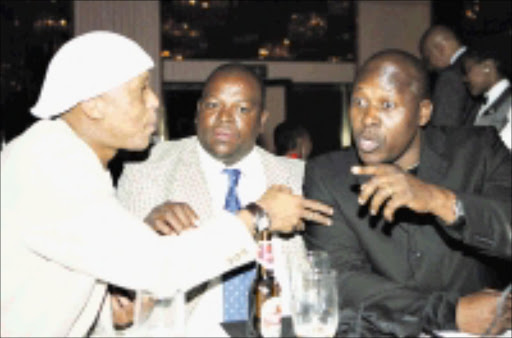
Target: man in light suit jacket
{"x":230,"y":115}
{"x":443,"y":52}
{"x":486,"y":78}
{"x":64,"y":235}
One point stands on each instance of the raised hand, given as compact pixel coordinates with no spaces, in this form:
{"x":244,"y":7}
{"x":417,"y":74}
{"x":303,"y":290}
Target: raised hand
{"x":287,"y":211}
{"x":391,"y":188}
{"x":172,"y":218}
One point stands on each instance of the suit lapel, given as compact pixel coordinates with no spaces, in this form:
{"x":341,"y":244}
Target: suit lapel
{"x":498,"y":102}
{"x":187,"y":182}
{"x":497,"y":113}
{"x":276,"y":171}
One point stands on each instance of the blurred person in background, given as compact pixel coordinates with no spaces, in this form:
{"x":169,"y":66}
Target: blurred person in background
{"x":442,"y":51}
{"x":487,"y":73}
{"x":292,"y":140}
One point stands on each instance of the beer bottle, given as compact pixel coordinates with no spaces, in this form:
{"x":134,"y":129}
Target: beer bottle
{"x":264,"y":294}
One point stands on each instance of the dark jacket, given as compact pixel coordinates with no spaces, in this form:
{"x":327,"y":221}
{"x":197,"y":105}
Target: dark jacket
{"x":451,"y":98}
{"x":410,"y":274}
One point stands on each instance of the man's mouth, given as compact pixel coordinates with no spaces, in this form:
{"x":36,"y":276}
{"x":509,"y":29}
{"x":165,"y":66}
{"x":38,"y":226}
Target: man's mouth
{"x":367,"y":143}
{"x":223,"y":135}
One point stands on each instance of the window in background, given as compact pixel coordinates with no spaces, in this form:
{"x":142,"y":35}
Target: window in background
{"x":30,"y":33}
{"x":320,"y":108}
{"x":180,"y":100}
{"x":320,"y":30}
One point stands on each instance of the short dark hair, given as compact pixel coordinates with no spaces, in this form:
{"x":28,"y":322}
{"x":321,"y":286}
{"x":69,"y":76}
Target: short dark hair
{"x":480,"y":53}
{"x":234,"y":68}
{"x":420,"y":74}
{"x":285,"y":136}
{"x":439,"y":30}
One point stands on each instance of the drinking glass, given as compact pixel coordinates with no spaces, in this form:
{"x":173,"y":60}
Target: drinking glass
{"x":156,"y":316}
{"x":318,"y":260}
{"x":312,"y":260}
{"x":315,"y":304}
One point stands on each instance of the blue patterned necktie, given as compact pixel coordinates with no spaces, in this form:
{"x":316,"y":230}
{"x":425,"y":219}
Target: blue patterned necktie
{"x":237,"y":282}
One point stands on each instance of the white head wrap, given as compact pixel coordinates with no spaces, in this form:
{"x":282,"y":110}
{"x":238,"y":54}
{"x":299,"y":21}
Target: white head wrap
{"x":87,"y":66}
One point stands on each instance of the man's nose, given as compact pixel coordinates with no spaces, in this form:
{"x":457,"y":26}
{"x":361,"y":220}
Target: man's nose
{"x":226,"y":113}
{"x":371,"y":115}
{"x":153,"y":101}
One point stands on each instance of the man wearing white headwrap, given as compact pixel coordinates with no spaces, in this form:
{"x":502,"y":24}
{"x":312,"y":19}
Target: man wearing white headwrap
{"x":64,"y":235}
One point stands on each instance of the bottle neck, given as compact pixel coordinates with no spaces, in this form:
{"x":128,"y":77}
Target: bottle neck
{"x":265,"y":258}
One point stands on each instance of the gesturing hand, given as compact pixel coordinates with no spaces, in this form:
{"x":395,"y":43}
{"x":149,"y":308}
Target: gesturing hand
{"x":171,"y":218}
{"x":287,"y":210}
{"x":394,"y":188}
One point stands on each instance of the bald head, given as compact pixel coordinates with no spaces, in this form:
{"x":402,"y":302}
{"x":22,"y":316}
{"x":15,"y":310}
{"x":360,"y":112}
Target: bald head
{"x":437,"y":46}
{"x":403,"y":70}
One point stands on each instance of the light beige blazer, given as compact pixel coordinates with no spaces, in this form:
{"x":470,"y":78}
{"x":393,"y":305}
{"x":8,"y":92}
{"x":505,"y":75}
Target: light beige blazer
{"x":173,"y":172}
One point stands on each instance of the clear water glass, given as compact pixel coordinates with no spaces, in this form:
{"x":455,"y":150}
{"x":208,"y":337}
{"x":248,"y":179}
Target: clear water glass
{"x":315,"y":304}
{"x":156,"y":316}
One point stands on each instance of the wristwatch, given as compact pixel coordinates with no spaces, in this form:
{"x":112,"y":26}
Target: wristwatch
{"x":460,"y":215}
{"x":261,"y":218}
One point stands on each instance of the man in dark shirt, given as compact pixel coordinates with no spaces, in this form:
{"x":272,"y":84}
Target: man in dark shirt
{"x":418,"y":212}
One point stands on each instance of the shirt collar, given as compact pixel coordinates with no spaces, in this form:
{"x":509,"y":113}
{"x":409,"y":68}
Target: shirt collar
{"x":457,"y":54}
{"x":246,"y":164}
{"x":496,"y":90}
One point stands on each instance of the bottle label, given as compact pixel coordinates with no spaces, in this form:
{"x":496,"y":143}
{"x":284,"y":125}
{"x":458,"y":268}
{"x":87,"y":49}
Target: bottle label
{"x":271,"y":314}
{"x":265,"y":257}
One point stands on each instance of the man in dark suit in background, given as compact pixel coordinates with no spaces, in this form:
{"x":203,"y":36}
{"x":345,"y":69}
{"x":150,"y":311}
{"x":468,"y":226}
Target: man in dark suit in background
{"x":417,"y":211}
{"x":443,"y":51}
{"x":486,"y":72}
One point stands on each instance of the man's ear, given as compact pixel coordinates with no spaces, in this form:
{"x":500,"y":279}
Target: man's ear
{"x":93,"y":108}
{"x":426,"y":108}
{"x":488,"y":65}
{"x":263,"y":120}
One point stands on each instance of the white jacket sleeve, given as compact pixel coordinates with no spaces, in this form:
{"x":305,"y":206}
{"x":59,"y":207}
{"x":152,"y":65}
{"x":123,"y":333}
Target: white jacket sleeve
{"x":110,"y":244}
{"x":67,"y":213}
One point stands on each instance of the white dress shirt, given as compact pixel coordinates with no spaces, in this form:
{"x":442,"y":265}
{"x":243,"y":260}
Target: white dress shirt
{"x":458,"y":53}
{"x":506,"y":132}
{"x":492,"y":95}
{"x":64,"y":235}
{"x":251,"y":186}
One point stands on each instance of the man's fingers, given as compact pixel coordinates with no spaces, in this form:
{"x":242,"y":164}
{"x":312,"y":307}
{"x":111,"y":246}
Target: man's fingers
{"x":299,"y":226}
{"x":379,"y":198}
{"x":122,"y":310}
{"x":163,"y":228}
{"x":317,"y":206}
{"x":123,"y":301}
{"x":191,"y":215}
{"x":315,"y":217}
{"x":174,"y":222}
{"x":364,"y":170}
{"x":391,"y":206}
{"x":185,"y":219}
